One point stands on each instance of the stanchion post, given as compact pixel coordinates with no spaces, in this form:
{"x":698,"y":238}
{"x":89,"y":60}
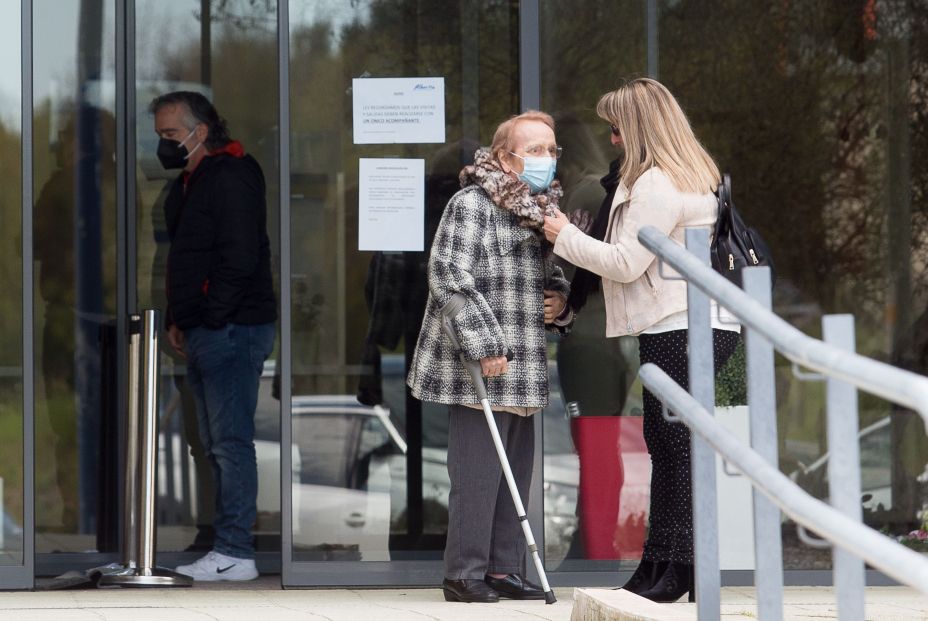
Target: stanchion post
{"x":146,"y":573}
{"x":130,"y":488}
{"x":148,"y":445}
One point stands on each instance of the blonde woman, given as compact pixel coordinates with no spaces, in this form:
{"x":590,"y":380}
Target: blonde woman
{"x":666,"y":181}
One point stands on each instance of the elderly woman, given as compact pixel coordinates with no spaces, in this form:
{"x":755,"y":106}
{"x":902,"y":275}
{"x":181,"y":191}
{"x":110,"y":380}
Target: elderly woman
{"x":490,"y":248}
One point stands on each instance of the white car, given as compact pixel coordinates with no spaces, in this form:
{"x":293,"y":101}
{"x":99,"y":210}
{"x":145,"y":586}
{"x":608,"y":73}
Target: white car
{"x":342,"y":455}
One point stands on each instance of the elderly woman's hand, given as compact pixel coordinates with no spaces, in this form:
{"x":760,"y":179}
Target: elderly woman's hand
{"x":493,"y":366}
{"x":554,"y":224}
{"x":554,"y":305}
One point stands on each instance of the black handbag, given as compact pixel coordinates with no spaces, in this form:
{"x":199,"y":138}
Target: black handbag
{"x":734,"y":244}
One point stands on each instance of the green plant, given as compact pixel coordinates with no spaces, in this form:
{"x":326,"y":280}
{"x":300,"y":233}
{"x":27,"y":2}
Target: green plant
{"x":730,"y":383}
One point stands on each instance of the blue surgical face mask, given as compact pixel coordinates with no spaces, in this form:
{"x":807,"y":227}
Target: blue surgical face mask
{"x":538,"y":172}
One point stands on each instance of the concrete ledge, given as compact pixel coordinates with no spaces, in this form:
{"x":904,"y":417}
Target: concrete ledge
{"x":621,"y":605}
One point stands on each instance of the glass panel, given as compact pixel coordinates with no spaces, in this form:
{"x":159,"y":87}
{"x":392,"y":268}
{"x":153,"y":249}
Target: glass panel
{"x":818,"y":111}
{"x":228,"y":52}
{"x":369,"y":476}
{"x":11,"y":283}
{"x":75,"y":288}
{"x":596,"y":497}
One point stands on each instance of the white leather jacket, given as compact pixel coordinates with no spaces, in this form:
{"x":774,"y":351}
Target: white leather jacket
{"x":637,"y":296}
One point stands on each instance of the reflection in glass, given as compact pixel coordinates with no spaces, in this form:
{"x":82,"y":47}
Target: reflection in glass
{"x":11,"y":303}
{"x":75,"y":250}
{"x":818,"y":111}
{"x":228,"y":52}
{"x":356,"y":315}
{"x":597,"y":469}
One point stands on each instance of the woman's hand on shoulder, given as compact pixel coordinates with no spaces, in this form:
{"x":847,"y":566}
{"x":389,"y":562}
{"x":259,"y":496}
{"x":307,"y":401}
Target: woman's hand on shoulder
{"x":554,"y":224}
{"x":581,"y":219}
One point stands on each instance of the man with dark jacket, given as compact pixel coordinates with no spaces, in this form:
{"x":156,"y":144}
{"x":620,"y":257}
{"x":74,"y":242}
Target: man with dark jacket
{"x":221,"y":308}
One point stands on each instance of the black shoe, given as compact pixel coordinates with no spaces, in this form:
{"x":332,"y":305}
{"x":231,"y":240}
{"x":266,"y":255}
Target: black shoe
{"x":676,"y":580}
{"x":515,"y":587}
{"x":468,"y":591}
{"x":646,"y":574}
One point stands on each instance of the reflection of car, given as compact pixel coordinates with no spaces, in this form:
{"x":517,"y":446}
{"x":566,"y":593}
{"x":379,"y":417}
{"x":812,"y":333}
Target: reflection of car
{"x":875,"y":471}
{"x":342,"y":482}
{"x":349,"y":481}
{"x":350,"y":473}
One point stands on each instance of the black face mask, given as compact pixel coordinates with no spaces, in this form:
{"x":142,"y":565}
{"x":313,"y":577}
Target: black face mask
{"x":172,"y":153}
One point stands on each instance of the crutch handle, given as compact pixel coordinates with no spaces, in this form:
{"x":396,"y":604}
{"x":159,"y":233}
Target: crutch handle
{"x":448,"y":312}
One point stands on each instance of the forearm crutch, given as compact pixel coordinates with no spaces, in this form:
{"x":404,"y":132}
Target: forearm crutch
{"x":448,"y":312}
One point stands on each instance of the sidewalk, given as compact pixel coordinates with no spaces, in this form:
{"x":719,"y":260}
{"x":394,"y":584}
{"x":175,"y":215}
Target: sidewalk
{"x":222,"y":604}
{"x":264,"y":601}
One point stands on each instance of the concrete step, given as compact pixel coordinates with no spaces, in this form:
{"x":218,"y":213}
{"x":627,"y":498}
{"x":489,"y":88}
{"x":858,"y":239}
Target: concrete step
{"x":740,"y":603}
{"x":621,"y":605}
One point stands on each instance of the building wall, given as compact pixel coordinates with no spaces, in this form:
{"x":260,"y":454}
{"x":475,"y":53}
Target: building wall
{"x":816,"y":108}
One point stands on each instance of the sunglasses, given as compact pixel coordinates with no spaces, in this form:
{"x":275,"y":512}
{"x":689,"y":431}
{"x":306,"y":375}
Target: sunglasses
{"x":615,"y":130}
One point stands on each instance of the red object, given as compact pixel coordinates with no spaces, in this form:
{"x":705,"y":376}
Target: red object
{"x":233,"y":148}
{"x":614,"y":477}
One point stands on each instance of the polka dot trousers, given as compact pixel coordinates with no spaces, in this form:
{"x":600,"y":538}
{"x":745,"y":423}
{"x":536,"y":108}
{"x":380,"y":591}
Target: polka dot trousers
{"x":670,"y":534}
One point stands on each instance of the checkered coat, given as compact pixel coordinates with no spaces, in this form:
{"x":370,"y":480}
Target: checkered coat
{"x":481,"y":251}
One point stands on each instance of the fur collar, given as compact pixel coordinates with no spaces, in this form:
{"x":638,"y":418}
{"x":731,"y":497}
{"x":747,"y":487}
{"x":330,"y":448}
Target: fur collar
{"x":509,"y":193}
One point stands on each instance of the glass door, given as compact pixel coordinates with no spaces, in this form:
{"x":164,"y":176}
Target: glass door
{"x":100,"y":245}
{"x":368,"y":486}
{"x":75,"y":293}
{"x":226,"y":51}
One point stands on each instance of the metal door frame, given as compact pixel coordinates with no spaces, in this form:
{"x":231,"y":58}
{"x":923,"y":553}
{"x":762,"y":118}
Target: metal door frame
{"x":126,"y":247}
{"x":23,"y":576}
{"x":369,"y":573}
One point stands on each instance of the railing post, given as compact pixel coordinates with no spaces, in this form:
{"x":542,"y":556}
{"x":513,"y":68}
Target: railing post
{"x":762,"y":408}
{"x":702,"y":387}
{"x":892,"y":558}
{"x":844,"y":469}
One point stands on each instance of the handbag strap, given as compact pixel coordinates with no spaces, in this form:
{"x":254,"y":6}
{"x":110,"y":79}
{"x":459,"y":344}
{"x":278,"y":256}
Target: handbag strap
{"x":723,"y":220}
{"x":735,"y":222}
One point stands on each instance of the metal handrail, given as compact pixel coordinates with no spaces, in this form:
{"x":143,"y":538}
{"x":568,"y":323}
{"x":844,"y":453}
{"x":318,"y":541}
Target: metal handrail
{"x":877,"y":378}
{"x":892,"y":558}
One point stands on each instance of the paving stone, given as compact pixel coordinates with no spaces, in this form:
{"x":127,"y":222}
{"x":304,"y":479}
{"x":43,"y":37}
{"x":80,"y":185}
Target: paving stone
{"x":265,"y":600}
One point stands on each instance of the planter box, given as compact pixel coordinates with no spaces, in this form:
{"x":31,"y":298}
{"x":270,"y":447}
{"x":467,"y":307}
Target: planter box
{"x":736,"y":511}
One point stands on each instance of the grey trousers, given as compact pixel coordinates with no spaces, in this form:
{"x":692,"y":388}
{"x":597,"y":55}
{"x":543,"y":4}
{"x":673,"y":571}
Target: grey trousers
{"x":484,"y":534}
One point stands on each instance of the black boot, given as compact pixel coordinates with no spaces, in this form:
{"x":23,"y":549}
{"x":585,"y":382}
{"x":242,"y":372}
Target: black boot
{"x":676,"y":580}
{"x":646,"y":574}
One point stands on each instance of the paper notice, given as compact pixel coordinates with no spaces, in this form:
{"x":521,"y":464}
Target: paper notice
{"x":391,"y":204}
{"x":398,"y":110}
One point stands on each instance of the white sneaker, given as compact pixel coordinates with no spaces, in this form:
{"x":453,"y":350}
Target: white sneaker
{"x":215,"y":567}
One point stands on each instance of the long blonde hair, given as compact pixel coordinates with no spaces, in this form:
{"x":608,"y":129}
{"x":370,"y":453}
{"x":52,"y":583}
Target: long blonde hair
{"x":656,"y":132}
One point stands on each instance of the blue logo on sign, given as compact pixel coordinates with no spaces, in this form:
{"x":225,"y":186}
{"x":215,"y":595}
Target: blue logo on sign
{"x":424,"y":87}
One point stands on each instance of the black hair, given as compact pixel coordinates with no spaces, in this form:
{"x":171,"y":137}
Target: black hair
{"x":201,"y":111}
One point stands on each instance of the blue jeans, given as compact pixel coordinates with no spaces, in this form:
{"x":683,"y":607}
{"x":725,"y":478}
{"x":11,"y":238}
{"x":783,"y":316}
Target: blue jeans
{"x":223,"y":369}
